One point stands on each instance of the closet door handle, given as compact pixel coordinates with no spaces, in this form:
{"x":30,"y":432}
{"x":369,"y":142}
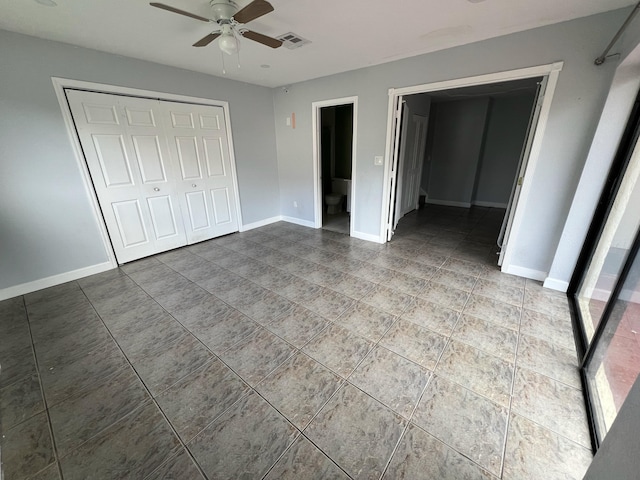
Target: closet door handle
{"x":194,"y":185}
{"x":156,"y":189}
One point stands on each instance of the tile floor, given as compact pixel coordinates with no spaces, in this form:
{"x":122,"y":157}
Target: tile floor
{"x":338,"y":222}
{"x":292,"y":353}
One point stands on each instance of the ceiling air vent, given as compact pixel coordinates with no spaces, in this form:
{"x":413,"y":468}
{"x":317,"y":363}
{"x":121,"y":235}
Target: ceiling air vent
{"x":292,"y":40}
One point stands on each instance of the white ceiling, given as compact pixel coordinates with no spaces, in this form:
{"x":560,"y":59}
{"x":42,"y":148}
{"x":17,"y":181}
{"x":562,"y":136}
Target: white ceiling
{"x":345,"y":34}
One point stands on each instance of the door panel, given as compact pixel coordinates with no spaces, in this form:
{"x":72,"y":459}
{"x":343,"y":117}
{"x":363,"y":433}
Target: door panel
{"x":140,"y":117}
{"x":412,"y":168}
{"x":162,"y":217}
{"x":392,"y":222}
{"x":129,"y":166}
{"x":149,"y":156}
{"x":130,"y":223}
{"x":114,"y":161}
{"x":221,"y":206}
{"x":205,"y":166}
{"x":507,"y":223}
{"x":181,"y":120}
{"x":198,"y":211}
{"x":187,"y":148}
{"x":100,"y":114}
{"x":213,"y":151}
{"x":210,"y":121}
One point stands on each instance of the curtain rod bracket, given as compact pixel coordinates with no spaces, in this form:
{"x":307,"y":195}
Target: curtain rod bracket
{"x":603,"y":58}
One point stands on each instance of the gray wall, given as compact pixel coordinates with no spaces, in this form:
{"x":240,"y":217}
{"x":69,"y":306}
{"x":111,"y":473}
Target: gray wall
{"x":622,"y":94}
{"x":505,"y":134}
{"x":577,"y":103}
{"x":457,"y":144}
{"x":46,"y":222}
{"x":617,"y":458}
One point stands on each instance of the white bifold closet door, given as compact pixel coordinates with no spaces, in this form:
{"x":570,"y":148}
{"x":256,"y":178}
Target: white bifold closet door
{"x":161,"y":170}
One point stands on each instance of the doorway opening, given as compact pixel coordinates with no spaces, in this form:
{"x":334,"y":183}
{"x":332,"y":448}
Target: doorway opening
{"x":465,"y":146}
{"x":334,"y":154}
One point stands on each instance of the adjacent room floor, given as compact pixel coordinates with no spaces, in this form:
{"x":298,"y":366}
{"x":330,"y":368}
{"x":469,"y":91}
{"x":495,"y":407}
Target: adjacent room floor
{"x":288,"y":352}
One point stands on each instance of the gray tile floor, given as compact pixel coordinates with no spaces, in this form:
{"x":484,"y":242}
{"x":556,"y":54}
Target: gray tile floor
{"x":287,"y":352}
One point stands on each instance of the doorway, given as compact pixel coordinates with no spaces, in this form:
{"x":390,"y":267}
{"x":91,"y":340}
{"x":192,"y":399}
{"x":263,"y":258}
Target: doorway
{"x":466,"y":176}
{"x":464,"y":148}
{"x":334,"y":154}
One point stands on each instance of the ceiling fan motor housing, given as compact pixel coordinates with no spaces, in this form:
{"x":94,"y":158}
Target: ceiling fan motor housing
{"x":223,"y":9}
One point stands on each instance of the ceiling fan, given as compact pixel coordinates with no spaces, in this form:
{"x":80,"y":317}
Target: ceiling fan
{"x":230,"y":21}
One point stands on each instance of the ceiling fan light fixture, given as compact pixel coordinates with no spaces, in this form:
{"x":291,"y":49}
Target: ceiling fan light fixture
{"x":228,"y":43}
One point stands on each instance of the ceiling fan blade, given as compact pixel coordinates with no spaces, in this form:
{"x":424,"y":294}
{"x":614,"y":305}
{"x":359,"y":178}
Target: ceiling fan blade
{"x":255,"y":9}
{"x":178,"y":11}
{"x":263,"y":39}
{"x":204,"y":41}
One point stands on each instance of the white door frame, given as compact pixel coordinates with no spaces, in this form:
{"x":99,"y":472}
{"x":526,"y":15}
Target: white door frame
{"x":59,"y":84}
{"x":552,"y":71}
{"x":316,"y":125}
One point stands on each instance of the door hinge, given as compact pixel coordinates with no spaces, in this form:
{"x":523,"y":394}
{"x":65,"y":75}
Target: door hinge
{"x":520,"y":180}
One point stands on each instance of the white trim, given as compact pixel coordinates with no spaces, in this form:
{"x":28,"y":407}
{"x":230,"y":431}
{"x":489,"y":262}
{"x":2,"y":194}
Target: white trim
{"x":526,"y":272}
{"x":59,"y":85}
{"x":315,"y":129}
{"x":298,"y":221}
{"x":62,"y":83}
{"x":54,"y":280}
{"x":260,"y":223}
{"x":480,"y":203}
{"x":555,"y":284}
{"x":552,"y":71}
{"x":530,"y":72}
{"x":368,"y":237}
{"x":448,"y":203}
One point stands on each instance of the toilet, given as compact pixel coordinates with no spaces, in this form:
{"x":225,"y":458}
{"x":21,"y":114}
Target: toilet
{"x":334,"y":203}
{"x":341,"y":188}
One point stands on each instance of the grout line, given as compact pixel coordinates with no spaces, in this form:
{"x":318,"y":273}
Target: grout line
{"x":513,"y":383}
{"x":144,"y":385}
{"x":329,"y":248}
{"x":56,"y":454}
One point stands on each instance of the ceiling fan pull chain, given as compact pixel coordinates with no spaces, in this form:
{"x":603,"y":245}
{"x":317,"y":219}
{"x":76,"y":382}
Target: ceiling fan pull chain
{"x":238,"y":53}
{"x":224,"y":71}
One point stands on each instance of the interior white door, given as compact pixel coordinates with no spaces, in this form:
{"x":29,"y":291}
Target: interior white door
{"x":198,"y":142}
{"x":412,"y":164}
{"x":507,"y":222}
{"x":124,"y":144}
{"x":398,"y":108}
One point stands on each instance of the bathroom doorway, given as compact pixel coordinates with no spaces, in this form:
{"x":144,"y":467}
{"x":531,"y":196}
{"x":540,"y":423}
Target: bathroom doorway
{"x":334,"y":140}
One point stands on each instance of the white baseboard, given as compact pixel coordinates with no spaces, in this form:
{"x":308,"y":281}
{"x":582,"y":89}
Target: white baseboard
{"x":54,"y":280}
{"x":260,"y":223}
{"x":526,"y":273}
{"x":448,"y":203}
{"x":298,"y":221}
{"x":490,"y":204}
{"x":367,"y":236}
{"x":555,"y":284}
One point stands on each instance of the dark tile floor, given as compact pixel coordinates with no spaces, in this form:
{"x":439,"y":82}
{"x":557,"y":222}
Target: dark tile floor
{"x":288,"y":352}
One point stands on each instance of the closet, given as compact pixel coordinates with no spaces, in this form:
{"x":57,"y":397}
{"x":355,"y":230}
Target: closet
{"x":161,"y":170}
